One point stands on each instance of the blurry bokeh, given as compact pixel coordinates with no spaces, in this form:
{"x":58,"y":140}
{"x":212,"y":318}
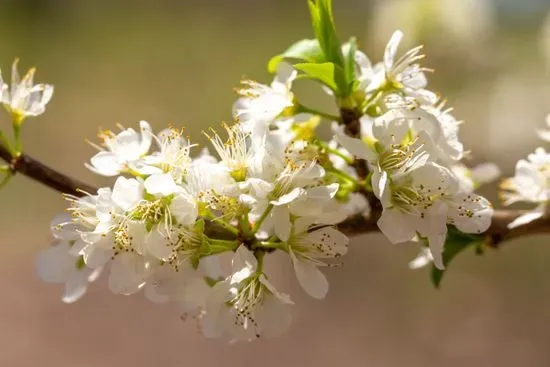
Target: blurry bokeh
{"x":177,"y":62}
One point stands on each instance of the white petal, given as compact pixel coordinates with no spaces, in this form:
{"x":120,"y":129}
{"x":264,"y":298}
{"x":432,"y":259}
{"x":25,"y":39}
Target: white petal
{"x":243,"y":265}
{"x":210,"y":266}
{"x":356,"y":147}
{"x":396,"y":226}
{"x":158,"y":245}
{"x":128,"y":272}
{"x":284,"y":77}
{"x":75,"y":288}
{"x":146,"y":137}
{"x":184,"y":209}
{"x":274,"y":317}
{"x":436,"y":248}
{"x":391,"y":49}
{"x":526,"y":218}
{"x":485,"y":173}
{"x":302,"y":224}
{"x":312,"y":280}
{"x":98,"y":254}
{"x":379,"y":182}
{"x":62,"y":227}
{"x":153,"y":295}
{"x":472,"y":213}
{"x":423,"y":258}
{"x":127,"y":192}
{"x":54,"y":263}
{"x":105,"y":163}
{"x":280,"y":217}
{"x":160,"y":185}
{"x":333,"y":242}
{"x":288,"y":198}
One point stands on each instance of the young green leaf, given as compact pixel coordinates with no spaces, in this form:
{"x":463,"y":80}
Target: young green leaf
{"x":331,"y":75}
{"x":455,"y":243}
{"x":325,"y":30}
{"x":306,"y":50}
{"x":349,"y":50}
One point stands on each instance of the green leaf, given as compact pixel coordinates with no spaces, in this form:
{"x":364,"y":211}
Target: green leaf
{"x":325,"y":30}
{"x":349,"y":50}
{"x":331,"y":75}
{"x":455,"y":243}
{"x":306,"y":50}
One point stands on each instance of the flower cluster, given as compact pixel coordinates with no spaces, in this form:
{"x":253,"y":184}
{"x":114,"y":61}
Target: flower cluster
{"x":170,"y":219}
{"x":409,"y":141}
{"x":168,"y":216}
{"x":531,"y":183}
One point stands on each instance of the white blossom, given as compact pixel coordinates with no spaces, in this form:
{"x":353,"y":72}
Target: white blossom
{"x":172,"y":157}
{"x":261,"y":104}
{"x":530,"y":184}
{"x":418,"y":196}
{"x":121,"y":152}
{"x":472,"y":178}
{"x":309,"y":250}
{"x":402,"y":73}
{"x":246,"y":305}
{"x":236,"y":154}
{"x":22,"y":98}
{"x":61,"y":263}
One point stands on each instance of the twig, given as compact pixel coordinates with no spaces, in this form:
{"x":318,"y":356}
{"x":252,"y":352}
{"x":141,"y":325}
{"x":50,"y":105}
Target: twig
{"x":40,"y":172}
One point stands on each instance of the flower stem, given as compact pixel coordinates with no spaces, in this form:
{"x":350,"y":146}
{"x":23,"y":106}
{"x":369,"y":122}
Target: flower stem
{"x":343,"y":175}
{"x":274,"y":245}
{"x":260,"y":221}
{"x":245,"y":226}
{"x":5,"y":142}
{"x":260,"y":256}
{"x":219,"y":246}
{"x":6,"y":179}
{"x":303,"y":109}
{"x":17,"y":137}
{"x":226,"y":225}
{"x":336,"y":152}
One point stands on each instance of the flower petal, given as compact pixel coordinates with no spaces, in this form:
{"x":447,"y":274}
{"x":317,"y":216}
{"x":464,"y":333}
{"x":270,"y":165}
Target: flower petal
{"x":312,"y":280}
{"x":127,"y":192}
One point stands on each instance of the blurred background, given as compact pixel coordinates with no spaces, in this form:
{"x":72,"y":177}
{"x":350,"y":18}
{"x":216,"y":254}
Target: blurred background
{"x":177,"y":62}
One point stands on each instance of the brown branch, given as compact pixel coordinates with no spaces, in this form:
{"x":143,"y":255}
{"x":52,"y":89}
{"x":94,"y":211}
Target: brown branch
{"x":45,"y":175}
{"x":496,"y":234}
{"x":351,"y":119}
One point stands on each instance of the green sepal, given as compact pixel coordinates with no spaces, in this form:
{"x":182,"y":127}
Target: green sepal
{"x":199,"y":225}
{"x":80,"y":263}
{"x":211,"y":281}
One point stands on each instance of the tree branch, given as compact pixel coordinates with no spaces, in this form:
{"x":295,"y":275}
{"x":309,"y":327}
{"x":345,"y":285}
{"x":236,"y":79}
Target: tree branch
{"x":497,"y":233}
{"x":45,"y":175}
